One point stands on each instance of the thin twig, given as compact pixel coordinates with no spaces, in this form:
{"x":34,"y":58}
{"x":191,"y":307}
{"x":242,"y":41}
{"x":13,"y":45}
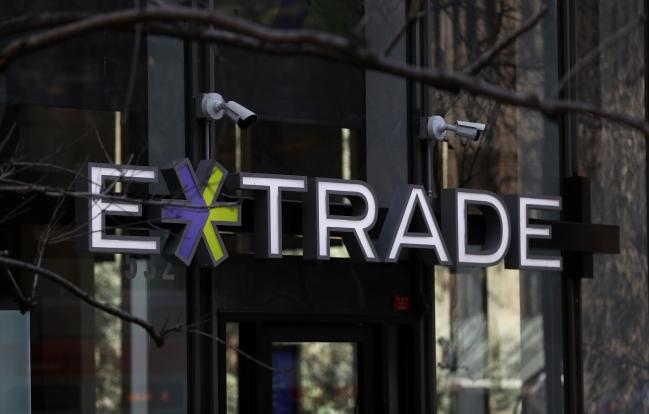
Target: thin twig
{"x":157,"y":336}
{"x":25,"y":187}
{"x":358,"y":31}
{"x":239,"y":351}
{"x":45,"y":236}
{"x":413,"y":14}
{"x":100,"y":141}
{"x":604,"y":45}
{"x":484,"y":59}
{"x":24,"y":303}
{"x":7,"y":137}
{"x":18,"y":209}
{"x":30,"y":164}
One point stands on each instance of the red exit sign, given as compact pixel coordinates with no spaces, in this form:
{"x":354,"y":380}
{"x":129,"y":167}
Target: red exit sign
{"x":402,"y":303}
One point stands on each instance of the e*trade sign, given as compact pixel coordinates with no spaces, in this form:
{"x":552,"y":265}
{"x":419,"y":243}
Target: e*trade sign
{"x":196,"y":217}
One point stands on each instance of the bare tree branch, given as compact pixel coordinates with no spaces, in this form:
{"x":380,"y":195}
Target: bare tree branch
{"x":28,"y":23}
{"x":484,"y":59}
{"x":130,"y":17}
{"x":25,"y":187}
{"x":440,"y":79}
{"x":604,"y":45}
{"x":31,"y":164}
{"x":158,"y":336}
{"x":248,"y":35}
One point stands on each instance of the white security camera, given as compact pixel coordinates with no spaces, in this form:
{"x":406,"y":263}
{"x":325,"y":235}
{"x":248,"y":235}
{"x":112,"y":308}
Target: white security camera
{"x":437,"y":127}
{"x":214,"y":106}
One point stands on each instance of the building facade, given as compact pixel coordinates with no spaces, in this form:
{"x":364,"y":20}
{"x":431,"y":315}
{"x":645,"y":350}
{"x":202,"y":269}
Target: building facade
{"x":290,"y":335}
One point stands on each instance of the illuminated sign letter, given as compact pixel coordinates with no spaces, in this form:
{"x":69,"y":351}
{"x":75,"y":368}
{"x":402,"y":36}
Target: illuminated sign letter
{"x":100,"y":207}
{"x":518,"y":256}
{"x":268,"y":208}
{"x":196,"y":217}
{"x":455,"y":205}
{"x":395,"y":233}
{"x":317,"y":228}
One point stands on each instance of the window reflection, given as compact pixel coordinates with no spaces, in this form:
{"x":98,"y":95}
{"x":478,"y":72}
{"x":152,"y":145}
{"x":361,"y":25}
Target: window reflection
{"x":295,"y":89}
{"x":15,"y":379}
{"x":311,"y":112}
{"x":498,"y":331}
{"x":108,"y":349}
{"x":492,"y":341}
{"x":314,"y":377}
{"x":82,"y":360}
{"x":232,"y":367}
{"x":615,"y":305}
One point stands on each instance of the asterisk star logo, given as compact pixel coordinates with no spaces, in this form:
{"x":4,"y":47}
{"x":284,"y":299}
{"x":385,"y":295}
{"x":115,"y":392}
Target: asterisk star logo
{"x":198,"y":215}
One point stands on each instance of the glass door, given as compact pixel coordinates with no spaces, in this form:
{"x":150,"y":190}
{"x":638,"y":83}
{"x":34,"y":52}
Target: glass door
{"x":312,"y":377}
{"x":301,"y":368}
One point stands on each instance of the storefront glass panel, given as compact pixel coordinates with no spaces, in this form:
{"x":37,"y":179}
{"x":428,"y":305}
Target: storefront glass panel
{"x":611,"y":42}
{"x":498,"y":332}
{"x":15,"y":376}
{"x":114,"y":98}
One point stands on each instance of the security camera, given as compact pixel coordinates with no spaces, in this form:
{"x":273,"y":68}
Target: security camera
{"x":243,"y":116}
{"x":436,"y":128}
{"x":213,"y":106}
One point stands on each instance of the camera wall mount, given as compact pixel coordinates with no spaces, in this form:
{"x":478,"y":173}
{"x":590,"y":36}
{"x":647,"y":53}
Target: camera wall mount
{"x":213,"y":107}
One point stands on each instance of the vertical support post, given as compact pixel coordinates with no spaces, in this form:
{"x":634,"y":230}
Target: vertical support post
{"x":571,"y":286}
{"x":207,"y":138}
{"x":203,"y":394}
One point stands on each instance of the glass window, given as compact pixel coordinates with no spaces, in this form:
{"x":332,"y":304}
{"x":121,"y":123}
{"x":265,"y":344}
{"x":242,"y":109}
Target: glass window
{"x":232,"y":367}
{"x":15,"y":358}
{"x":611,"y":44}
{"x":498,"y":331}
{"x":106,"y":98}
{"x":311,"y":112}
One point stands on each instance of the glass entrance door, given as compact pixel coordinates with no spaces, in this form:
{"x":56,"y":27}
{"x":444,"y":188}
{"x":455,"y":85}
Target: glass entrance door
{"x":314,"y":377}
{"x":289,"y":368}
